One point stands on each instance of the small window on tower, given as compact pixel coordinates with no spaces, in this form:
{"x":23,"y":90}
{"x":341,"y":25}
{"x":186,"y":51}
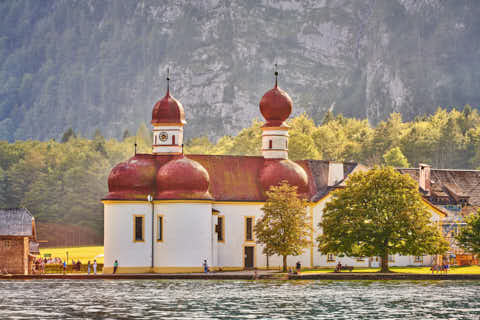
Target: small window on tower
{"x":173,"y":140}
{"x":270,"y":144}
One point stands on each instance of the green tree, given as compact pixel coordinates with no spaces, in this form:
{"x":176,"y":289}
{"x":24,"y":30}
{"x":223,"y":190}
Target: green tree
{"x":68,"y":135}
{"x":395,"y":158}
{"x":328,"y":116}
{"x":379,"y":213}
{"x":469,"y":236}
{"x":126,"y":134}
{"x":301,"y":146}
{"x":284,"y":228}
{"x":388,"y":134}
{"x":144,"y":139}
{"x":3,"y":187}
{"x":199,"y":145}
{"x":248,"y":141}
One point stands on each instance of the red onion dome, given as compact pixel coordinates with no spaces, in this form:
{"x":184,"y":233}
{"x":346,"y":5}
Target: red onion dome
{"x":182,"y":178}
{"x":275,"y":107}
{"x":276,"y":171}
{"x":133,"y":179}
{"x":168,"y":110}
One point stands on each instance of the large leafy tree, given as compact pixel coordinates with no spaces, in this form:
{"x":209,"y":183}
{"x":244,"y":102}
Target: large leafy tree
{"x":469,"y":236}
{"x":380,"y":212}
{"x":284,"y":228}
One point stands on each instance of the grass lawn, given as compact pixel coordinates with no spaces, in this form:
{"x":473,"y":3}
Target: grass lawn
{"x":82,"y":253}
{"x":453,"y":270}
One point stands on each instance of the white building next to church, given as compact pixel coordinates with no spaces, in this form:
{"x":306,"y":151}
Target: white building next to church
{"x":168,"y":212}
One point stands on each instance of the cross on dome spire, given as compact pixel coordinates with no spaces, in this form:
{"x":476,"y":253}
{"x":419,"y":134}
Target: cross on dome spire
{"x":276,"y":75}
{"x":168,"y":81}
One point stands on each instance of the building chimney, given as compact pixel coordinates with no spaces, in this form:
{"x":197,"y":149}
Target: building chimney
{"x":335,"y":173}
{"x":424,"y":178}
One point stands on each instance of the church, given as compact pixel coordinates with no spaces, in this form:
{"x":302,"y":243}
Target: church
{"x":167,"y":212}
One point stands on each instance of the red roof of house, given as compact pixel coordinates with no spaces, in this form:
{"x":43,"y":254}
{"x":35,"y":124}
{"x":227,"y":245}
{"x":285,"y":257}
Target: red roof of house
{"x":454,"y":182}
{"x":231,"y":178}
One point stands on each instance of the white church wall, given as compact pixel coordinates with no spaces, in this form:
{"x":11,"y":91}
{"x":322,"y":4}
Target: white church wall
{"x":318,"y":258}
{"x":187,"y":236}
{"x":119,"y":241}
{"x":231,"y":251}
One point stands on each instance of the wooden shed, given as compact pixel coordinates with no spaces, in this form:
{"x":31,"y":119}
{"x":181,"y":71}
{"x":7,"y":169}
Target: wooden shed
{"x":18,"y":241}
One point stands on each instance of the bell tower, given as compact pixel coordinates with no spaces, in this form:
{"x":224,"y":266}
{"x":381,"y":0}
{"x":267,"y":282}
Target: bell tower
{"x":275,"y":106}
{"x":168,"y":119}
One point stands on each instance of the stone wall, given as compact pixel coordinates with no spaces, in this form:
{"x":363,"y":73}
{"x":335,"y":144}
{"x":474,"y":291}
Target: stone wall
{"x":14,"y":255}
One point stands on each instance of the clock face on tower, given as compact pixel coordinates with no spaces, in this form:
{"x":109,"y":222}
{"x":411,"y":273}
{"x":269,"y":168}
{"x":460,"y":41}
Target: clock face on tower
{"x":163,"y":136}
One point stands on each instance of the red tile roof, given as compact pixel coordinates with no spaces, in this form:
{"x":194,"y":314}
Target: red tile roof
{"x":237,"y":178}
{"x":461,"y":183}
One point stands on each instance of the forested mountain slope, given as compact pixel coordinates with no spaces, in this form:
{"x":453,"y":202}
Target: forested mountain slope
{"x":101,"y":64}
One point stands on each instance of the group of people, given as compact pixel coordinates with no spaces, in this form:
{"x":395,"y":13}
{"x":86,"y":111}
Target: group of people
{"x":38,"y":265}
{"x":77,"y":266}
{"x":440,"y":268}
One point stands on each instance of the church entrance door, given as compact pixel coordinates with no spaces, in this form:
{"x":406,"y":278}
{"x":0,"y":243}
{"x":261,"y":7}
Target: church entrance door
{"x":249,"y":257}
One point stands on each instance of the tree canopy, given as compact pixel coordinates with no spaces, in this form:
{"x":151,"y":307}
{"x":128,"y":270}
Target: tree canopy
{"x":469,"y":236}
{"x":395,"y":158}
{"x":285,"y":227}
{"x":379,"y":213}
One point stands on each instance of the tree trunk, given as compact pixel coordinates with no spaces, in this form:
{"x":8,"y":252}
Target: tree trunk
{"x":384,"y":261}
{"x":284,"y":263}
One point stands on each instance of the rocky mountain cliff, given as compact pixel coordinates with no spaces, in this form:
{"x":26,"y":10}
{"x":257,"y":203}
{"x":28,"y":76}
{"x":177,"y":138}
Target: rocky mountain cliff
{"x":93,"y":65}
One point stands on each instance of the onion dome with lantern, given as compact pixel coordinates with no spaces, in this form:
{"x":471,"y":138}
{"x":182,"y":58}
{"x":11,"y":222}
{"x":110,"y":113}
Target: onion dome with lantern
{"x":276,"y":107}
{"x":168,"y":119}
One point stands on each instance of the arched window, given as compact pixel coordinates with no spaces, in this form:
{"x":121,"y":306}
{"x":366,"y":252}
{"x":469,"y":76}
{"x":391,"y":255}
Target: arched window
{"x":270,"y":144}
{"x":173,"y":139}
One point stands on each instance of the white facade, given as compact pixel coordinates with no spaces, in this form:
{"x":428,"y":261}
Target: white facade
{"x":189,"y":237}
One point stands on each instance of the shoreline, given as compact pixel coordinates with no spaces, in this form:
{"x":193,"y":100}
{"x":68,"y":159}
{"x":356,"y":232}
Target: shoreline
{"x":248,"y":276}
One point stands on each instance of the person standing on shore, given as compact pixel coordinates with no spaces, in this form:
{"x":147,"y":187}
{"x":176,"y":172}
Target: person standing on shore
{"x":95,"y":267}
{"x":64,"y":267}
{"x":115,"y":266}
{"x":205,"y":266}
{"x":88,"y":267}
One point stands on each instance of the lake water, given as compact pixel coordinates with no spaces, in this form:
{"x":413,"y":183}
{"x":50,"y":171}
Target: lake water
{"x":205,"y":299}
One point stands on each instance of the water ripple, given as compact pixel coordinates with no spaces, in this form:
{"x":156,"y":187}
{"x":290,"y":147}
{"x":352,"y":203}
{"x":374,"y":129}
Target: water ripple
{"x":180,"y":299}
